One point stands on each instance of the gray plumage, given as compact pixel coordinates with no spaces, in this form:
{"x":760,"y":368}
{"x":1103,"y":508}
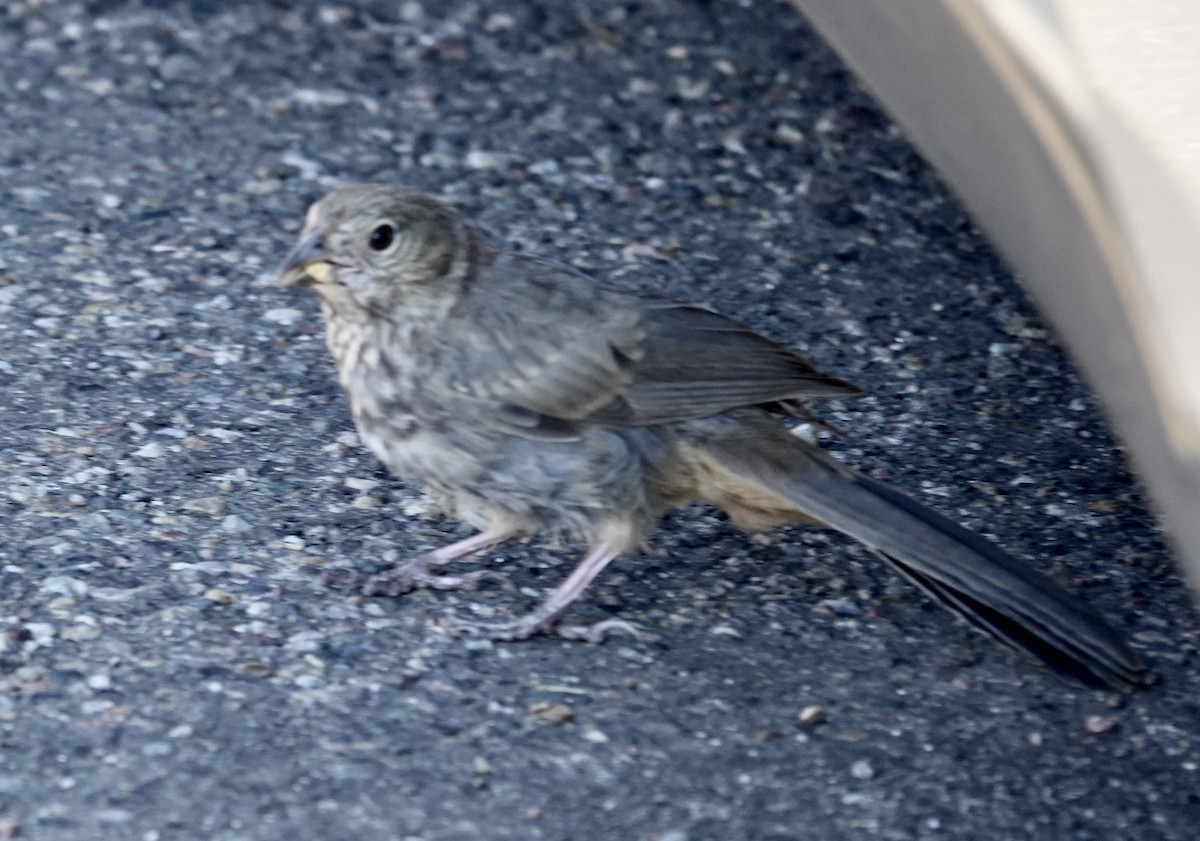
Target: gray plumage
{"x":535,"y":400}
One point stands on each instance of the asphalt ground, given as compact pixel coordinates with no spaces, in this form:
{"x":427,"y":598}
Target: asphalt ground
{"x":180,"y":473}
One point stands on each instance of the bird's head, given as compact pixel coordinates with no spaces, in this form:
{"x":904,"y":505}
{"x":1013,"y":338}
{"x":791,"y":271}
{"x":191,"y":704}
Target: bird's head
{"x":378,"y":247}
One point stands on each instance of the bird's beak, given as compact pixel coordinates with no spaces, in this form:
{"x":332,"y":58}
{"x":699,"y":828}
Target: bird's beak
{"x":307,"y":264}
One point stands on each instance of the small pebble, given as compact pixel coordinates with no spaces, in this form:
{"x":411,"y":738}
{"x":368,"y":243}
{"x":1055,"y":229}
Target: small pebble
{"x":99,"y":682}
{"x":812,"y":715}
{"x":214,"y":506}
{"x":862,"y":770}
{"x":283,"y":315}
{"x":550,"y":711}
{"x":1101,"y":723}
{"x":235,"y":524}
{"x":151,"y":450}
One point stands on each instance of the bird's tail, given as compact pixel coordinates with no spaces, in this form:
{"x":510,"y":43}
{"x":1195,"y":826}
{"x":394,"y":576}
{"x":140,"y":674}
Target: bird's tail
{"x":992,"y":590}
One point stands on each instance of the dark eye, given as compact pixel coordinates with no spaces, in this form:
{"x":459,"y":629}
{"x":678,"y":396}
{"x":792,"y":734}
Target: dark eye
{"x":381,"y":237}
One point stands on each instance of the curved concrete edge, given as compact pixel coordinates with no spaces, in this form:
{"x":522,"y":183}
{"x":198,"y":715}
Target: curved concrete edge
{"x":1088,"y":215}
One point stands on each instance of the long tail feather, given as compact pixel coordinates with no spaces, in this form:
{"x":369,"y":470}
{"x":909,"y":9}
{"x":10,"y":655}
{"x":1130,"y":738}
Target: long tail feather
{"x":992,"y":590}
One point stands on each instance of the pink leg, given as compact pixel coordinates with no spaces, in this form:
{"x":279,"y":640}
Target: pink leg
{"x":420,"y":572}
{"x":545,"y":617}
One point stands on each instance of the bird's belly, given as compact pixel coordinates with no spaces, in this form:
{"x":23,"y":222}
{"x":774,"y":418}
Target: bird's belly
{"x":411,"y":451}
{"x":577,"y":487}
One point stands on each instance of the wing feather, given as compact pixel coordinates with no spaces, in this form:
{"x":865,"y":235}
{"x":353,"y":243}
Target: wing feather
{"x":556,"y":344}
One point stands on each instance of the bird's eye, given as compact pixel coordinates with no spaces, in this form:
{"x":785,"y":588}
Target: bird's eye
{"x":381,"y":237}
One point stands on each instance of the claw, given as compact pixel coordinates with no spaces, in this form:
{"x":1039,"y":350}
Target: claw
{"x":524,"y":627}
{"x":598,"y":632}
{"x":545,"y":618}
{"x":419,"y":573}
{"x":510,"y":631}
{"x":415,"y":576}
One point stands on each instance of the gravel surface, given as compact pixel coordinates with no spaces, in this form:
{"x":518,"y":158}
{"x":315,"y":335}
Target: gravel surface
{"x":179,"y":471}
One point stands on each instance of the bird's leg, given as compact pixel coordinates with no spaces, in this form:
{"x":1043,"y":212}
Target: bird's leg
{"x":421,"y":571}
{"x":545,"y":618}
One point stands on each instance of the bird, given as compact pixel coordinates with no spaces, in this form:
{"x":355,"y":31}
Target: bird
{"x":533,"y":400}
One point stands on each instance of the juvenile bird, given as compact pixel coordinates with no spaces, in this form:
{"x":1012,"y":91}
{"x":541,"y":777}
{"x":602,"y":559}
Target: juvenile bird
{"x":535,"y":400}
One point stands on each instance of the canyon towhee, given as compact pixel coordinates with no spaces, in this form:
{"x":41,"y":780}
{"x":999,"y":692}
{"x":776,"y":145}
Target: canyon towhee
{"x":537,"y":401}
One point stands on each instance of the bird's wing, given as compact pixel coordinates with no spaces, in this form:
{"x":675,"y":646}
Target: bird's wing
{"x":695,"y":363}
{"x":552,"y":349}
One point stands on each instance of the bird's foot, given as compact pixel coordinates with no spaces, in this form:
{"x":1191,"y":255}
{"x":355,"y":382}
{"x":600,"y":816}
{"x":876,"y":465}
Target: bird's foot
{"x":598,"y":632}
{"x":524,"y":627}
{"x":416,"y":575}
